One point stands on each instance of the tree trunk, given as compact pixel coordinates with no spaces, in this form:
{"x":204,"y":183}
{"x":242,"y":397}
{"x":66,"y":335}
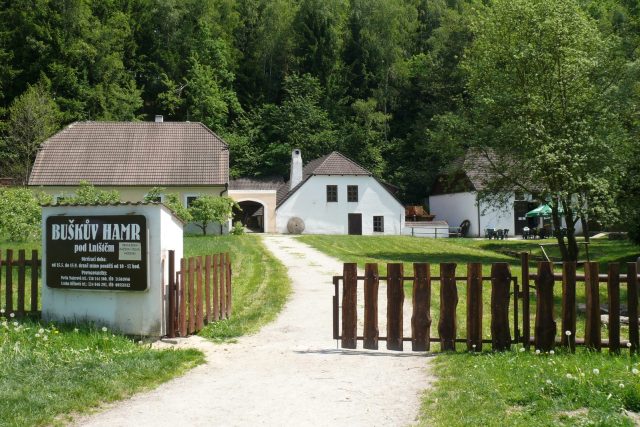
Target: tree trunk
{"x":572,"y":245}
{"x":557,"y":225}
{"x":585,"y":228}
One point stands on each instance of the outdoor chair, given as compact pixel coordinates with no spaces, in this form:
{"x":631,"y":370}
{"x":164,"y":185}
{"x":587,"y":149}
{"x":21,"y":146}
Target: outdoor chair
{"x":499,"y":234}
{"x":505,"y":233}
{"x":489,"y":233}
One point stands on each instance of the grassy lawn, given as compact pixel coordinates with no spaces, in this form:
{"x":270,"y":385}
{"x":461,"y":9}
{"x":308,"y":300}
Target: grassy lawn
{"x":47,"y":371}
{"x":512,"y":388}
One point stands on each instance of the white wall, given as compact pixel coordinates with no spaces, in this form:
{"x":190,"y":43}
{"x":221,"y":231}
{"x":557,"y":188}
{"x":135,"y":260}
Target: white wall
{"x":455,"y":208}
{"x":130,"y":312}
{"x":322,"y":217}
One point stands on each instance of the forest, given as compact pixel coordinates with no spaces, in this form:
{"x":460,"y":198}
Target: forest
{"x":401,"y":86}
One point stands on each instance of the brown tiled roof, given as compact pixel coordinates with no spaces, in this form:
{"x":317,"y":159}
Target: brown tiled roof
{"x":132,"y":153}
{"x":333,"y":164}
{"x":141,"y":203}
{"x":268,"y":183}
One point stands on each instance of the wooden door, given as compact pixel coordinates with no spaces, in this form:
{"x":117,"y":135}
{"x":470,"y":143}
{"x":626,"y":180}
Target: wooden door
{"x":355,"y":223}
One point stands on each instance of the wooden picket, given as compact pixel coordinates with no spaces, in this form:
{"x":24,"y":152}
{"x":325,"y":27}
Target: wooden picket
{"x":199,"y":293}
{"x":503,"y":287}
{"x":15,"y":293}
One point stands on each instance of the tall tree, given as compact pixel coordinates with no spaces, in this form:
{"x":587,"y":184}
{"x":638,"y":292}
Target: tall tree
{"x":541,"y":81}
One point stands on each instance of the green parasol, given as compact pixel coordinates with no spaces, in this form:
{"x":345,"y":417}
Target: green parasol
{"x":542,"y":211}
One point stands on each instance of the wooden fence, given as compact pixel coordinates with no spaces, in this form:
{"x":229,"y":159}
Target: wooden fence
{"x":503,"y":286}
{"x":199,"y":293}
{"x":16,"y":291}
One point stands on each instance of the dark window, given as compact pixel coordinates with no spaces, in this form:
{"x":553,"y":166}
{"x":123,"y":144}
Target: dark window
{"x":332,"y":193}
{"x":352,"y":193}
{"x":378,"y":224}
{"x":190,"y":200}
{"x":519,"y":195}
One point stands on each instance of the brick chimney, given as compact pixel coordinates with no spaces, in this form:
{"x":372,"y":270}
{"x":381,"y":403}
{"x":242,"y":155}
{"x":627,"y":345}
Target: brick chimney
{"x":296,"y":168}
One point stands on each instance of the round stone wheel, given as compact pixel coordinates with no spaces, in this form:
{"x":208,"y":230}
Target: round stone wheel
{"x":295,"y":225}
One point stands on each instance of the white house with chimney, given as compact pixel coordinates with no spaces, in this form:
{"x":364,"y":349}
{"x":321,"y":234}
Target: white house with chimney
{"x":335,"y":195}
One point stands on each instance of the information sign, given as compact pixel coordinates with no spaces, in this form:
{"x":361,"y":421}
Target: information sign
{"x":106,"y":252}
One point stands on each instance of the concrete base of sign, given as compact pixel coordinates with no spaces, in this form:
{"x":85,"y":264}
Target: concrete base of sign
{"x":127,"y":311}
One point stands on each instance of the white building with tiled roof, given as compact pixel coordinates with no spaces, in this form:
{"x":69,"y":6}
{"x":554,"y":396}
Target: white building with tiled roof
{"x":335,"y":195}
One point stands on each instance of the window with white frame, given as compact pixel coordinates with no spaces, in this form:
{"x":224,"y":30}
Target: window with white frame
{"x":189,"y":199}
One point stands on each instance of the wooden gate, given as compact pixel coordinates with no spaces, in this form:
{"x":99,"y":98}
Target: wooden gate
{"x":502,"y":286}
{"x":199,"y":293}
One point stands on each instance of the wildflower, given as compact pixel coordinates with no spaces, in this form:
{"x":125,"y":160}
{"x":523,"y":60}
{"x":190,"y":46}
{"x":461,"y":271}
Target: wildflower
{"x":76,"y":330}
{"x":537,"y":351}
{"x":45,"y":338}
{"x":41,"y":331}
{"x":569,"y":376}
{"x":609,"y":396}
{"x":140,"y":342}
{"x":12,"y":315}
{"x":104,"y":329}
{"x":548,"y":382}
{"x":567,"y":333}
{"x":1,"y":310}
{"x":15,"y":324}
{"x":473,"y":346}
{"x":634,"y":371}
{"x":629,"y":345}
{"x":552,"y":352}
{"x":582,"y":374}
{"x":596,"y":371}
{"x":37,"y":335}
{"x":621,"y":385}
{"x":522,"y":349}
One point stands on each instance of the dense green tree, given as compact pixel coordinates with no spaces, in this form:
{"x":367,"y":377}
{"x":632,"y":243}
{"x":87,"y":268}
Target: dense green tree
{"x":542,"y":78}
{"x":207,"y":209}
{"x":20,"y":213}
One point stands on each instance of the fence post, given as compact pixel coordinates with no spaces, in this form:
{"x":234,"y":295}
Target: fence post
{"x":207,"y":286}
{"x":448,"y":304}
{"x":421,"y":317}
{"x":500,"y":284}
{"x":613,"y":287}
{"x":632,"y":304}
{"x":474,"y":307}
{"x":227,"y":272}
{"x":592,"y":334}
{"x":526,"y":309}
{"x":371,"y":284}
{"x":395,"y":301}
{"x":545,"y":328}
{"x":349,"y":301}
{"x":221,"y":292}
{"x":183,"y":297}
{"x":568,"y":306}
{"x":35,"y":265}
{"x":21,"y":281}
{"x":199,"y":305}
{"x":171,"y":327}
{"x":216,"y":296}
{"x":8,"y":287}
{"x":192,"y":296}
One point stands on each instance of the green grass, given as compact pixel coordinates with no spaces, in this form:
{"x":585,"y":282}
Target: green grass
{"x":525,"y":389}
{"x":48,"y":372}
{"x":260,"y":283}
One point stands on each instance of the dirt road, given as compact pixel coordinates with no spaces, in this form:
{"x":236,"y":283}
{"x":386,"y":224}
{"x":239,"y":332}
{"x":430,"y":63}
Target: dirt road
{"x":289,"y":374}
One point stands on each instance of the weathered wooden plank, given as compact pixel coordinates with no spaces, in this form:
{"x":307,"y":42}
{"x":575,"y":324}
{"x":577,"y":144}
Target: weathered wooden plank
{"x":474,"y":307}
{"x":171,"y":296}
{"x":349,"y":309}
{"x":199,"y":295}
{"x":448,"y":304}
{"x":421,"y":317}
{"x":526,"y":308}
{"x":35,"y":265}
{"x":545,"y":327}
{"x":568,"y":333}
{"x":632,"y":305}
{"x":21,"y":281}
{"x":500,"y":284}
{"x":183,"y":297}
{"x":216,"y":291}
{"x":223,"y":286}
{"x":613,"y":288}
{"x":8,"y":287}
{"x":371,"y":285}
{"x":395,"y":302}
{"x":207,"y":286}
{"x":228,"y":282}
{"x":192,"y":295}
{"x":592,"y":333}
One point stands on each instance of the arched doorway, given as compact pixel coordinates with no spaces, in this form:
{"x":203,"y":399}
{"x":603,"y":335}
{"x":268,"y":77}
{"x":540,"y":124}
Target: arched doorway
{"x":251,"y":216}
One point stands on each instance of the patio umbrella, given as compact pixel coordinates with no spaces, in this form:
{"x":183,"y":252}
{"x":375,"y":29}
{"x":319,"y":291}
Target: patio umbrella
{"x":542,"y":211}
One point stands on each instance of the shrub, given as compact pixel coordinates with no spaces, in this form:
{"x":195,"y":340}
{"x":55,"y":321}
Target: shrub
{"x":20,"y":214}
{"x":238,"y":229}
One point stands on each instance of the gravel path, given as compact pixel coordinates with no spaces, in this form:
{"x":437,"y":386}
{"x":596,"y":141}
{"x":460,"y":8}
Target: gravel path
{"x":290,"y":373}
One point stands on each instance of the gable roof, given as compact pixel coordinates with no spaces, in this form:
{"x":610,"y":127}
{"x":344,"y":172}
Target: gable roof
{"x":334,"y":163}
{"x":249,"y":184}
{"x":132,"y":153}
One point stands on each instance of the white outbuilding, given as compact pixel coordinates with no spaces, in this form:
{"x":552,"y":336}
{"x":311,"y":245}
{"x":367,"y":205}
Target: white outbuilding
{"x":335,"y":195}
